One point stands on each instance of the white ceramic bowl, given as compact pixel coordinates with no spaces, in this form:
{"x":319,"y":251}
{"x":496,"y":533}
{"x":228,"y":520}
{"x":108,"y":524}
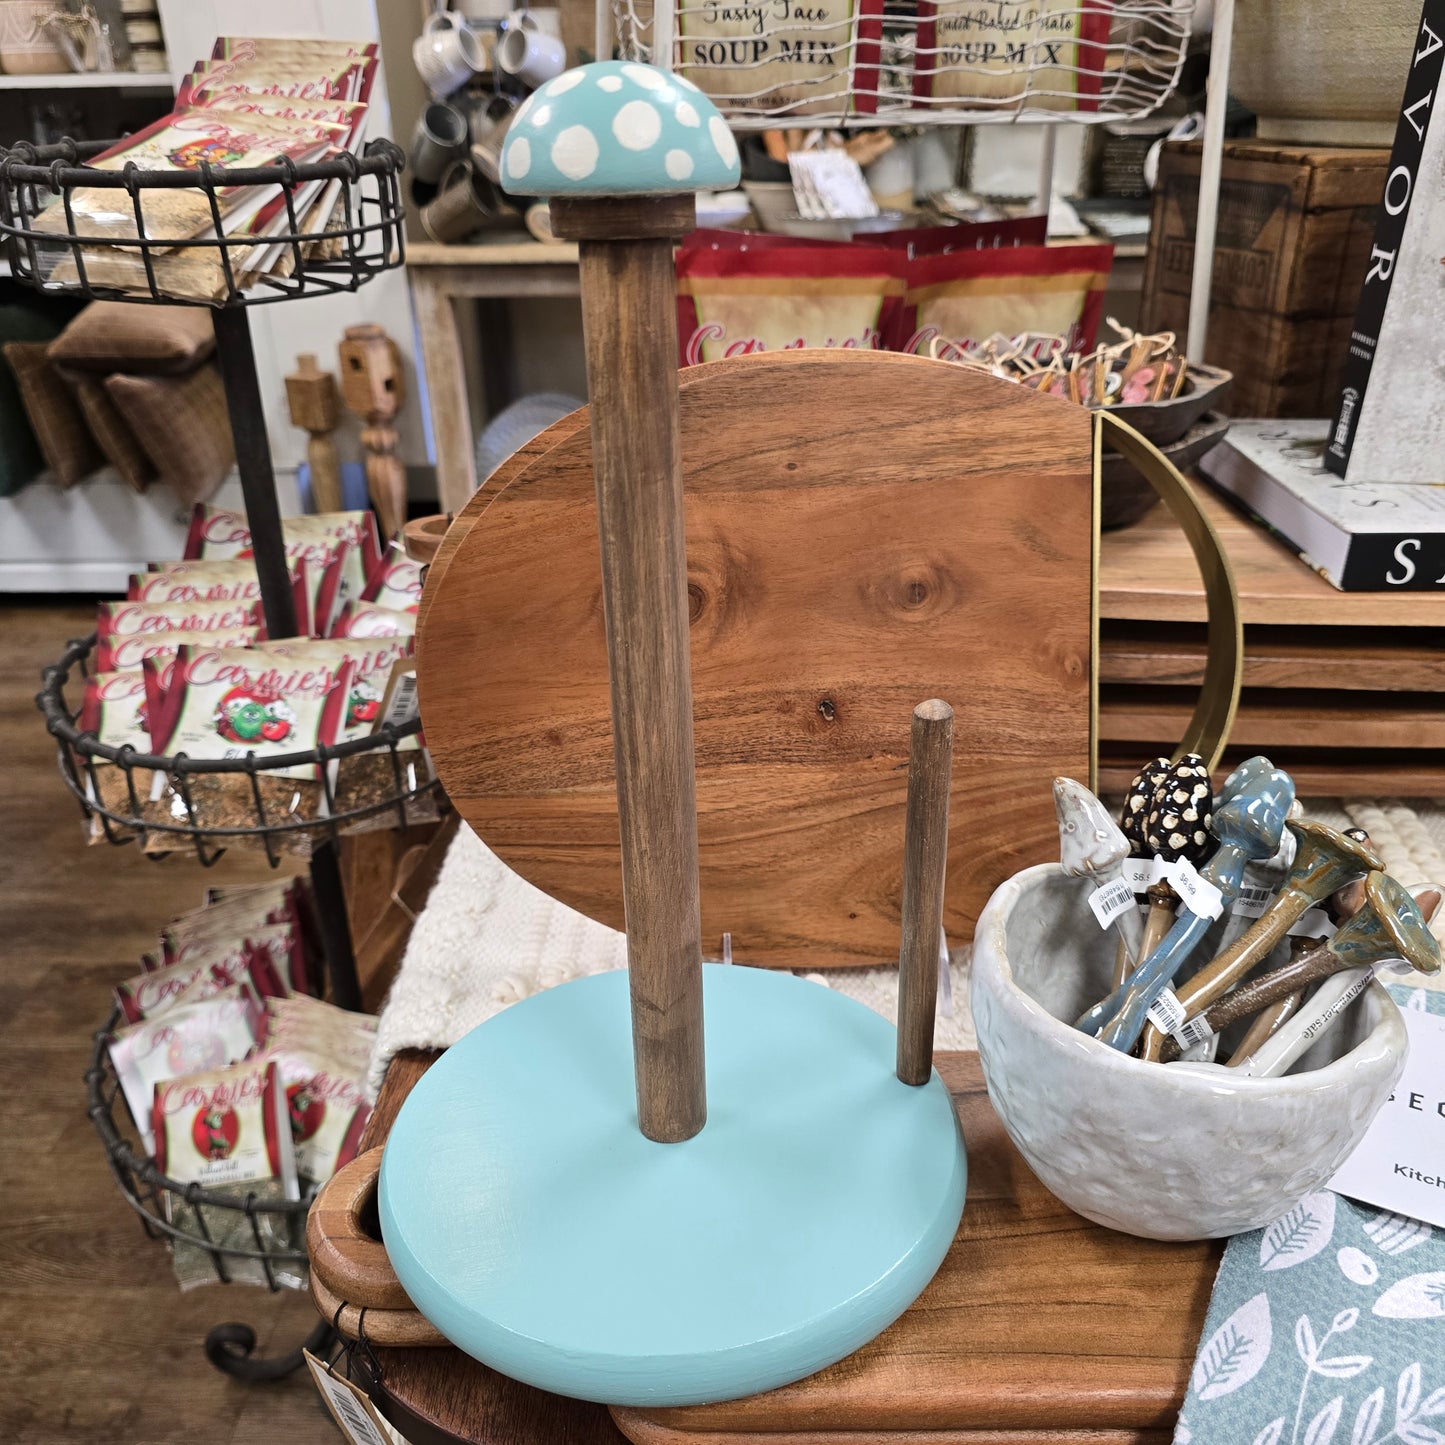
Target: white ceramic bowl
{"x":1151,"y":1149}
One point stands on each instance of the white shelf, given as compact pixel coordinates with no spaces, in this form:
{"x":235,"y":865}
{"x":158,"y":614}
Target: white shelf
{"x":87,"y":80}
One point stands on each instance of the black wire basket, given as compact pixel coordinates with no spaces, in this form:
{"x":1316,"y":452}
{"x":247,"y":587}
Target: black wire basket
{"x":363,"y":239}
{"x":408,"y":793}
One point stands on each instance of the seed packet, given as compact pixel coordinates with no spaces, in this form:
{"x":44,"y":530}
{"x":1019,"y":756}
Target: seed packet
{"x":326,"y":1108}
{"x":957,"y":300}
{"x":396,"y":581}
{"x":219,"y":532}
{"x":227,"y":1131}
{"x":735,"y":300}
{"x":794,"y":59}
{"x":1045,"y":54}
{"x":128,"y":653}
{"x":269,"y":700}
{"x":205,"y":1035}
{"x":366,"y":619}
{"x":117,"y":620}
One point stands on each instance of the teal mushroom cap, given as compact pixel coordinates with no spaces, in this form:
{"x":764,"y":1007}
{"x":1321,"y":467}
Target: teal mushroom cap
{"x":618,"y":128}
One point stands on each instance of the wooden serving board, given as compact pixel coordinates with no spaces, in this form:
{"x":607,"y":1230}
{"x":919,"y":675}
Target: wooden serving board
{"x":1039,"y":1327}
{"x":865,"y":530}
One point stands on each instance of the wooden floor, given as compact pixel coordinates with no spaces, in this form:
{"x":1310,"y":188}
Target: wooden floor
{"x":98,"y":1344}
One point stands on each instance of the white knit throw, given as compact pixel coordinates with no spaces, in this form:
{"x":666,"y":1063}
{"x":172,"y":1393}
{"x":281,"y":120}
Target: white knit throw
{"x":487,"y":938}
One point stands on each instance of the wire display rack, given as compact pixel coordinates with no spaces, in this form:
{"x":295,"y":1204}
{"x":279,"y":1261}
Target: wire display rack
{"x":271,"y":1231}
{"x":917,"y":62}
{"x":55,"y":246}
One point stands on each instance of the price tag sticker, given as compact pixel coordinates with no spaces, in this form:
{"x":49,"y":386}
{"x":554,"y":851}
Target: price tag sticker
{"x":1252,"y":900}
{"x":1197,"y":894}
{"x":1139,"y":873}
{"x":1110,"y":900}
{"x":1192,"y":1031}
{"x":1313,"y":923}
{"x":1166,"y":1013}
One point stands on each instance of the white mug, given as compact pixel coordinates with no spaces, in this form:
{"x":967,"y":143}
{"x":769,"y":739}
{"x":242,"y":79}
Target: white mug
{"x":447,"y":54}
{"x":529,"y":53}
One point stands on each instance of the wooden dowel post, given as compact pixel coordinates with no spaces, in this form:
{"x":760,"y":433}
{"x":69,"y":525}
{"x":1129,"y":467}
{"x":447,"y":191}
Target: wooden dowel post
{"x":630,"y":332}
{"x":925,"y":858}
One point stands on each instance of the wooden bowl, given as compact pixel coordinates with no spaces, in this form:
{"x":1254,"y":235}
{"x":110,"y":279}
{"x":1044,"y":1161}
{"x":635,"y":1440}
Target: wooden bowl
{"x":1164,"y":422}
{"x":1125,"y":496}
{"x":424,"y":536}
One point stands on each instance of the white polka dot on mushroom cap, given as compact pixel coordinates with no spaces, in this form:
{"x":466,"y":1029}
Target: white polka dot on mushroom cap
{"x":686,"y":114}
{"x":637,"y":125}
{"x":609,"y":82}
{"x":646,"y":76}
{"x":722,"y":139}
{"x":543,"y":115}
{"x":519,"y":158}
{"x":679,"y":165}
{"x":575,"y":152}
{"x":562,"y":83}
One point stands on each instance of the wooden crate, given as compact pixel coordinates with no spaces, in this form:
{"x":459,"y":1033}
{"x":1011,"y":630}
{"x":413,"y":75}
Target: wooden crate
{"x":1295,"y":228}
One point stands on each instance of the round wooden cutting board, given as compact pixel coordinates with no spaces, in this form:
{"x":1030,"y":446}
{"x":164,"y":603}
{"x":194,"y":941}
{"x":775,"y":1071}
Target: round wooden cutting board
{"x":864,"y":530}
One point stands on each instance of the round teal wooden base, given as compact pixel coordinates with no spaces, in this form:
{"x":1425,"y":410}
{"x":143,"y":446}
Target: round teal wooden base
{"x":530,"y":1220}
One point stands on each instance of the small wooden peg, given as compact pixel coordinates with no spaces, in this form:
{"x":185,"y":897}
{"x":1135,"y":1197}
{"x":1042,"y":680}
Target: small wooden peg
{"x":373,"y":388}
{"x":315,"y":407}
{"x":925,"y":856}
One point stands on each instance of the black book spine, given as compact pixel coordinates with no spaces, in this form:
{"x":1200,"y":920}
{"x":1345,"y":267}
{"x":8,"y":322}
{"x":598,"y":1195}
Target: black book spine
{"x":1398,"y":562}
{"x":1416,"y":109}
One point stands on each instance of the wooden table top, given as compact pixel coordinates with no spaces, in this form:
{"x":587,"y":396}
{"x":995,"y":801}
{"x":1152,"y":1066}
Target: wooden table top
{"x":495,"y":253}
{"x":1147,"y":573}
{"x":1039,"y":1327}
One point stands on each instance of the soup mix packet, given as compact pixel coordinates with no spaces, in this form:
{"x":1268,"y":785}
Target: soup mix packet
{"x":203,"y":1035}
{"x":228,"y":1130}
{"x":366,"y":619}
{"x":396,"y":581}
{"x":326,"y":1108}
{"x":154,"y":992}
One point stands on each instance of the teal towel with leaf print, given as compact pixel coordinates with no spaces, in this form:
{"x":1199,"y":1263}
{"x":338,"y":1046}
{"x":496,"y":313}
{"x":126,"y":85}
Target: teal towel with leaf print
{"x":1326,"y":1328}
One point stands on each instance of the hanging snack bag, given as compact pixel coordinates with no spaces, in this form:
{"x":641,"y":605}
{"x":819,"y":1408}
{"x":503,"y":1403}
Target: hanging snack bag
{"x":203,"y":973}
{"x":738,"y":299}
{"x":326,"y":1109}
{"x":205,"y":1035}
{"x":227,"y":702}
{"x":959,"y":299}
{"x":227,"y":1130}
{"x":128,"y":653}
{"x":396,"y":581}
{"x":115,"y":621}
{"x":366,"y":619}
{"x":1042,"y":54}
{"x":219,"y":532}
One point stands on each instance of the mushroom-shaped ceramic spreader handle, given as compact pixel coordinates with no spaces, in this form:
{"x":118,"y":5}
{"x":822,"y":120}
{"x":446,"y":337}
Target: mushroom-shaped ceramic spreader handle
{"x":1093,"y":846}
{"x":1248,"y":826}
{"x":1325,"y":861}
{"x":1389,"y":927}
{"x":619,"y":149}
{"x":1132,"y":823}
{"x":618,"y":128}
{"x":1392,"y":925}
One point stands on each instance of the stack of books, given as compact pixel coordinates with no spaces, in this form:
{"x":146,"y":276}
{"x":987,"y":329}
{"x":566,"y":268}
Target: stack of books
{"x":255,"y":102}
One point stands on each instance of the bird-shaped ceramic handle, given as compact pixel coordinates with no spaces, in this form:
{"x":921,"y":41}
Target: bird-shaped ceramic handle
{"x":1389,"y":927}
{"x":1325,"y":861}
{"x":1248,"y":826}
{"x":1093,"y":846}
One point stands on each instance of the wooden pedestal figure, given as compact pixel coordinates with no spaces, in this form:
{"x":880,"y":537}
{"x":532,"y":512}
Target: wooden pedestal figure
{"x":315,"y":407}
{"x":372,"y":387}
{"x":577,"y":1194}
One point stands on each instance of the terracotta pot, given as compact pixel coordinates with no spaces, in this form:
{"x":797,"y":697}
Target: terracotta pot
{"x":1325,"y":72}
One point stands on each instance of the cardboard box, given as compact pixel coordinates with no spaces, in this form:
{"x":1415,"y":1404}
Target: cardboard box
{"x":1295,"y":227}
